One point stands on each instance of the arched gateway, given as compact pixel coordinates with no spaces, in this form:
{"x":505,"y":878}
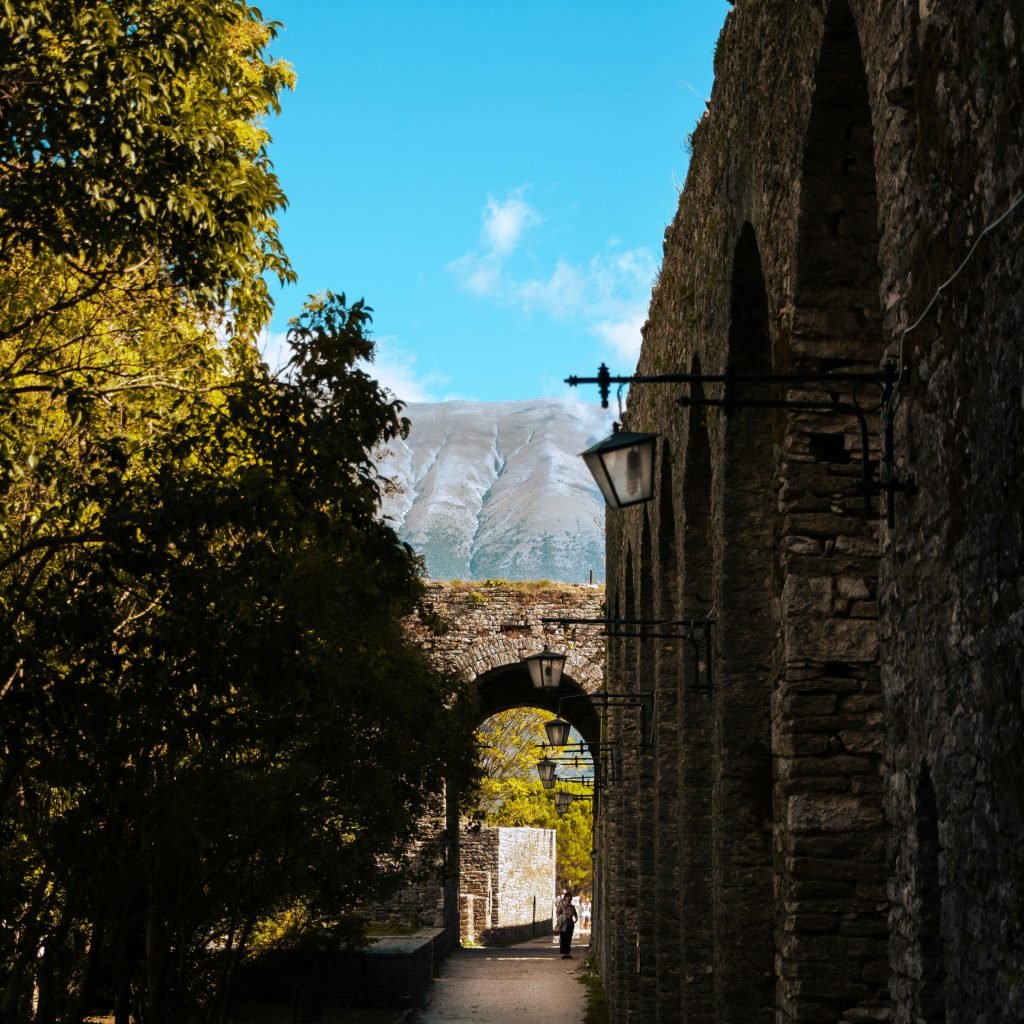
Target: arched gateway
{"x":491,"y":627}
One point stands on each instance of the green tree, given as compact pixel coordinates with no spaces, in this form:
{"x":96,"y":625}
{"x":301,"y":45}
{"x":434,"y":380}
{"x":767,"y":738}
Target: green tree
{"x":132,"y":131}
{"x":211,"y":679}
{"x":203,"y":669}
{"x":509,"y":744}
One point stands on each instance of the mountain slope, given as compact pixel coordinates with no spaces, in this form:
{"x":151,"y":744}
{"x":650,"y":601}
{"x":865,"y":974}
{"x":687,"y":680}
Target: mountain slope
{"x":498,"y":490}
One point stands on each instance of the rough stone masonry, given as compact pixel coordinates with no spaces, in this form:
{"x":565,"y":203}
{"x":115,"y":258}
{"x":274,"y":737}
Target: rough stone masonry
{"x":489,"y":627}
{"x":837,"y":834}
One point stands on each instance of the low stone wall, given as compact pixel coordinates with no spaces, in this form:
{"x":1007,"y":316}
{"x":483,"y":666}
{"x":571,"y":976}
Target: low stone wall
{"x":394,"y":972}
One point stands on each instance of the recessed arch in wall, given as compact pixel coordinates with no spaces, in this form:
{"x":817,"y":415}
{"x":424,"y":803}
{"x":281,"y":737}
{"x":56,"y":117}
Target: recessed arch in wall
{"x":695,"y":901}
{"x":837,"y":314}
{"x":667,"y":676}
{"x":646,"y":785}
{"x":746,"y":591}
{"x":930,"y":999}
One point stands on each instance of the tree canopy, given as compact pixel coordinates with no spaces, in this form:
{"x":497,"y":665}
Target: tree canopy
{"x":132,"y":130}
{"x":204,"y":668}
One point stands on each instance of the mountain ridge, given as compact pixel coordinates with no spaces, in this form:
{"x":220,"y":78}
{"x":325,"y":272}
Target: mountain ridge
{"x":490,"y":490}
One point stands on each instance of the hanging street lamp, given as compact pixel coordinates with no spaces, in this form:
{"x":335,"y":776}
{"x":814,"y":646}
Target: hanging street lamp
{"x":546,"y":770}
{"x":545,"y":669}
{"x":622,"y":466}
{"x":558,"y":732}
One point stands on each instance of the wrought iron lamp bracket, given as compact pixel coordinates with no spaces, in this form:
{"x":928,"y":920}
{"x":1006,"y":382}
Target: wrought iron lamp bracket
{"x":696,"y":632}
{"x":644,"y":701}
{"x":734,"y":396}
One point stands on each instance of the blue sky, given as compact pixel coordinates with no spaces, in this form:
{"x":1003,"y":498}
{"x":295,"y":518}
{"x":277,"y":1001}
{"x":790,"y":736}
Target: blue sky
{"x":493,"y":178}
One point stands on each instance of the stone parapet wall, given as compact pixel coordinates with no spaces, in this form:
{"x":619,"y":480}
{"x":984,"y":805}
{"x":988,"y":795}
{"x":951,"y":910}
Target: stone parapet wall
{"x":494,"y":624}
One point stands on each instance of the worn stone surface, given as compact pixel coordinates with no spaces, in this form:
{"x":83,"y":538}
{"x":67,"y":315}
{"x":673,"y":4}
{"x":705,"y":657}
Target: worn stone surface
{"x":494,"y":624}
{"x":844,"y":823}
{"x":507,"y":884}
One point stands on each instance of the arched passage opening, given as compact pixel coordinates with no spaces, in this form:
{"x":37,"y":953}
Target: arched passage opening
{"x":518,"y":849}
{"x":509,"y":686}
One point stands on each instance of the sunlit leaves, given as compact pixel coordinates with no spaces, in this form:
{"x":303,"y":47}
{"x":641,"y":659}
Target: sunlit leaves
{"x":135,"y":127}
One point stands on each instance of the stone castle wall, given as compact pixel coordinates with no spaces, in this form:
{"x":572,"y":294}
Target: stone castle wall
{"x":507,"y":885}
{"x":494,"y":624}
{"x":837,"y":834}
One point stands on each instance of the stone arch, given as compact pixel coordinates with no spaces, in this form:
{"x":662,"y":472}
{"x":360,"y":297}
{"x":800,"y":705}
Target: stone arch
{"x":829,"y":658}
{"x":668,"y":687}
{"x":696,"y":907}
{"x":496,"y":651}
{"x":837,"y":315}
{"x":646,"y":789}
{"x":628,"y":797}
{"x":745,"y":590}
{"x":607,"y":903}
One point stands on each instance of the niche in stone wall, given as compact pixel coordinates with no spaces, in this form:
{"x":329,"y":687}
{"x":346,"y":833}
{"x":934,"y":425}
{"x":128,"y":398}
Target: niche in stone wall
{"x":930,"y":998}
{"x":670,"y":693}
{"x":696,"y":918}
{"x":745,"y":595}
{"x":837,"y":317}
{"x":667,"y":574}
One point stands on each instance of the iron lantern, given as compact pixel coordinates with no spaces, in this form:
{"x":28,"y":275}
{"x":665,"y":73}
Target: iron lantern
{"x":622,"y":465}
{"x":546,"y":769}
{"x":545,"y":669}
{"x":558,"y":732}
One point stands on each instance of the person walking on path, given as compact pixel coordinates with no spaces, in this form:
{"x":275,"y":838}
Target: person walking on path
{"x":566,"y":923}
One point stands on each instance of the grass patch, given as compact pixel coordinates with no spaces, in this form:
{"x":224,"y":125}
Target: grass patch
{"x":475,"y":587}
{"x":596,"y":1010}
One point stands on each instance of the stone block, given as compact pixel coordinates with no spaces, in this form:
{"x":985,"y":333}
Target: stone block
{"x":833,"y":640}
{"x":863,"y":741}
{"x":867,"y":1015}
{"x":809,"y":923}
{"x":852,"y":588}
{"x":809,"y":596}
{"x":807,"y":813}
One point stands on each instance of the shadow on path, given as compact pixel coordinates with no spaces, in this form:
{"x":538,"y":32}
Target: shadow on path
{"x":524,"y":984}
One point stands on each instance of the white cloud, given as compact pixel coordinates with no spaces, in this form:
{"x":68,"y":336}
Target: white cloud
{"x":505,"y":220}
{"x":608,"y":295}
{"x":394,"y":368}
{"x":481,"y":273}
{"x":622,"y":336}
{"x":561,"y":296}
{"x":478,"y":273}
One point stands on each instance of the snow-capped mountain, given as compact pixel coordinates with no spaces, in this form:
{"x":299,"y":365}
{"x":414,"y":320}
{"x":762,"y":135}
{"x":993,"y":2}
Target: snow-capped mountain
{"x":498,"y":490}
